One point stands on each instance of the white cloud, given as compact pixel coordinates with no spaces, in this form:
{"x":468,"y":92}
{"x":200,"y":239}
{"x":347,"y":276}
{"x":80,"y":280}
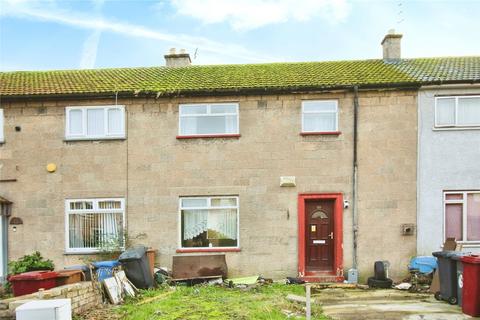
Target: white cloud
{"x":252,"y":14}
{"x":90,"y":46}
{"x":40,"y":11}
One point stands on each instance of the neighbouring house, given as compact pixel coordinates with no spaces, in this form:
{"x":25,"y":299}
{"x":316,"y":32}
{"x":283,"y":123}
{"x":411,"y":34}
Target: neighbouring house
{"x":303,"y":169}
{"x":449,"y":165}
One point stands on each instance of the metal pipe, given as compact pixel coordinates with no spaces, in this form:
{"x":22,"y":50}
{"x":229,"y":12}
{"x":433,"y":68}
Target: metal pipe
{"x":354,"y":176}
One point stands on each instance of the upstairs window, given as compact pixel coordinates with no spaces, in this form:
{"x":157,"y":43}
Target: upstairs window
{"x":457,"y":111}
{"x":208,"y":119}
{"x":319,"y":116}
{"x":209,"y":222}
{"x":2,"y":136}
{"x":98,"y":122}
{"x":95,"y":224}
{"x":462,"y":215}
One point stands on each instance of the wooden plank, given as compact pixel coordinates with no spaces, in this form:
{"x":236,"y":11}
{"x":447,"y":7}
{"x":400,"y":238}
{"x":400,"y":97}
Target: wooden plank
{"x":114,"y":292}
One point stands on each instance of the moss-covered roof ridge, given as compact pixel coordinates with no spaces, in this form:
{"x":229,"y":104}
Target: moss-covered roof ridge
{"x":294,"y":76}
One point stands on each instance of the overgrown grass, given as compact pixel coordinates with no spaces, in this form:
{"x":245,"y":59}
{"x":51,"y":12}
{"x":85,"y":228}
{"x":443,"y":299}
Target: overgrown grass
{"x":210,"y":302}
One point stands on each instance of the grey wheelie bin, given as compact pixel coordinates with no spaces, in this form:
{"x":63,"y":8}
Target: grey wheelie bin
{"x":137,"y":268}
{"x":457,"y":259}
{"x":447,"y":268}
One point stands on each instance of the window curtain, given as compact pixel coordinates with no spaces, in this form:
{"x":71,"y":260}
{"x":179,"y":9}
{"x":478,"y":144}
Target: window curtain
{"x":473,"y":217}
{"x":469,"y":111}
{"x":319,"y":121}
{"x":445,"y":110}
{"x":95,"y":122}
{"x":195,"y":222}
{"x":115,"y":125}
{"x":93,"y":230}
{"x":224,"y":223}
{"x":453,"y":221}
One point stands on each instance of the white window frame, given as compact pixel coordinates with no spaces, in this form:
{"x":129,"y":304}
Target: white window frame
{"x":317,"y":112}
{"x":94,"y":210}
{"x":208,"y":207}
{"x":464,"y":204}
{"x":208,"y":114}
{"x":2,"y":125}
{"x":455,"y":124}
{"x":84,"y":135}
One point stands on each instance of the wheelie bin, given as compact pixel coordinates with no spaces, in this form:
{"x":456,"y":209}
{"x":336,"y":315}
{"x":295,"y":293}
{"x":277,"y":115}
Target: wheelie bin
{"x":471,"y":285}
{"x":137,"y":267}
{"x":459,"y":263}
{"x":447,"y":268}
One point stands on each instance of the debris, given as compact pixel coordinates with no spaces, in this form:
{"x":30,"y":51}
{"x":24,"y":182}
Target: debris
{"x":291,"y":280}
{"x":403,"y":286}
{"x":218,"y":281}
{"x":136,"y":264}
{"x":424,"y":264}
{"x":127,"y":287}
{"x":160,"y":296}
{"x":245,"y":280}
{"x":199,"y":267}
{"x":113,"y":290}
{"x":296,"y":298}
{"x":379,"y":280}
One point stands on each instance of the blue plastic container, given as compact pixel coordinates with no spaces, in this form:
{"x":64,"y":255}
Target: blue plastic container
{"x":425,"y":264}
{"x":104,"y":269}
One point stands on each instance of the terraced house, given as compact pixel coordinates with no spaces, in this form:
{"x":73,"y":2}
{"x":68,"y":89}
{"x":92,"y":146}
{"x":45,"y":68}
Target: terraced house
{"x":305,"y":169}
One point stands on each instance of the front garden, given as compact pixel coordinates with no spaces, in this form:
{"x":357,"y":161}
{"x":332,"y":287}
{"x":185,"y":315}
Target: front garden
{"x":267,"y":301}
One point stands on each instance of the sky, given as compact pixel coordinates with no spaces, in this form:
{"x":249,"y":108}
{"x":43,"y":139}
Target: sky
{"x":62,"y":34}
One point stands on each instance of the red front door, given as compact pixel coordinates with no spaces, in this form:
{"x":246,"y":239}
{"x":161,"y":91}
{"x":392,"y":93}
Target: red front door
{"x":319,"y":216}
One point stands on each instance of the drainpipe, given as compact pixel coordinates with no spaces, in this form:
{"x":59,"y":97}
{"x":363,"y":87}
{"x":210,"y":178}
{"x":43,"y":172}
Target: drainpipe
{"x":354,"y":177}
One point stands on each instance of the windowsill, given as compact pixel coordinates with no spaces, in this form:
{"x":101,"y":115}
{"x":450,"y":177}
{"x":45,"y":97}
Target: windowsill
{"x":94,"y":139}
{"x":209,"y":136}
{"x":469,"y":244}
{"x":193,"y":250}
{"x":455,"y":128}
{"x":77,"y":253}
{"x":90,"y":252}
{"x":321,"y":133}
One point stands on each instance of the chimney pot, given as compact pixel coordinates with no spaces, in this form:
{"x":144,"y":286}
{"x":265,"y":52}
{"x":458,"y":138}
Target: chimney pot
{"x":175,"y":60}
{"x":391,"y":44}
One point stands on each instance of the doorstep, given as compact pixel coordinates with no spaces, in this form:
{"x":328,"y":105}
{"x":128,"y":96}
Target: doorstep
{"x":323,"y":278}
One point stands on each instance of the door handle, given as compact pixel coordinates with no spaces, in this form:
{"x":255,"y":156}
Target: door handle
{"x":331,"y":235}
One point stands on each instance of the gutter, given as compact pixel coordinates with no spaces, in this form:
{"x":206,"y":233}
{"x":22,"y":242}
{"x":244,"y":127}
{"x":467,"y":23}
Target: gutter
{"x":206,"y":92}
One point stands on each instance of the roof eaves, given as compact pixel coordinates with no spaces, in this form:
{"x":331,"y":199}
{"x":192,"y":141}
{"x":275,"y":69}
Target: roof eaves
{"x":217,"y":92}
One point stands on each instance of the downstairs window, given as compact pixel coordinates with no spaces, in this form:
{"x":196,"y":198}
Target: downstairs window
{"x":462,"y":215}
{"x":209,"y":222}
{"x":94,"y":224}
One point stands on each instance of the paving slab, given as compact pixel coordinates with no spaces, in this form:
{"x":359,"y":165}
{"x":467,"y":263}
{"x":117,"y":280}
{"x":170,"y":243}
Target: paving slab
{"x":358,"y":304}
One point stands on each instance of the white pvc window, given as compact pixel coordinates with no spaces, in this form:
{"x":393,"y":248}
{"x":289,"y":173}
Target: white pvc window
{"x":320,"y":116}
{"x":462,"y":215}
{"x":2,"y":135}
{"x":94,"y":224}
{"x":457,"y":111}
{"x":208,"y":119}
{"x":209,"y":222}
{"x":97,"y":122}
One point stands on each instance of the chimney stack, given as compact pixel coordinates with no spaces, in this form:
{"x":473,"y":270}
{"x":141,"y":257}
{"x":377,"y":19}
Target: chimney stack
{"x":175,"y":60}
{"x":391,"y":46}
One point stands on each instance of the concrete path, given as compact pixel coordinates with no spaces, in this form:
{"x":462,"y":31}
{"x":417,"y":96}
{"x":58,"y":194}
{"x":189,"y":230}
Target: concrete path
{"x":384,"y":304}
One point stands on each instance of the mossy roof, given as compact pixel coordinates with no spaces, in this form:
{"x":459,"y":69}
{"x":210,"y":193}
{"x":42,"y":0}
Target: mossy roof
{"x":216,"y":79}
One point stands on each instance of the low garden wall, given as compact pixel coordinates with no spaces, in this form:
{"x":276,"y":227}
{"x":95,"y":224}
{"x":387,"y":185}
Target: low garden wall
{"x":84,"y":296}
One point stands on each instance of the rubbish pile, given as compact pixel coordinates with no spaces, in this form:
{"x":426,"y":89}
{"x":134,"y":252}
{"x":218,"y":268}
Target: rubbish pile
{"x":452,"y":275}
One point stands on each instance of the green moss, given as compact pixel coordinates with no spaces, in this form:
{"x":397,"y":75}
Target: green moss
{"x":232,"y":78}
